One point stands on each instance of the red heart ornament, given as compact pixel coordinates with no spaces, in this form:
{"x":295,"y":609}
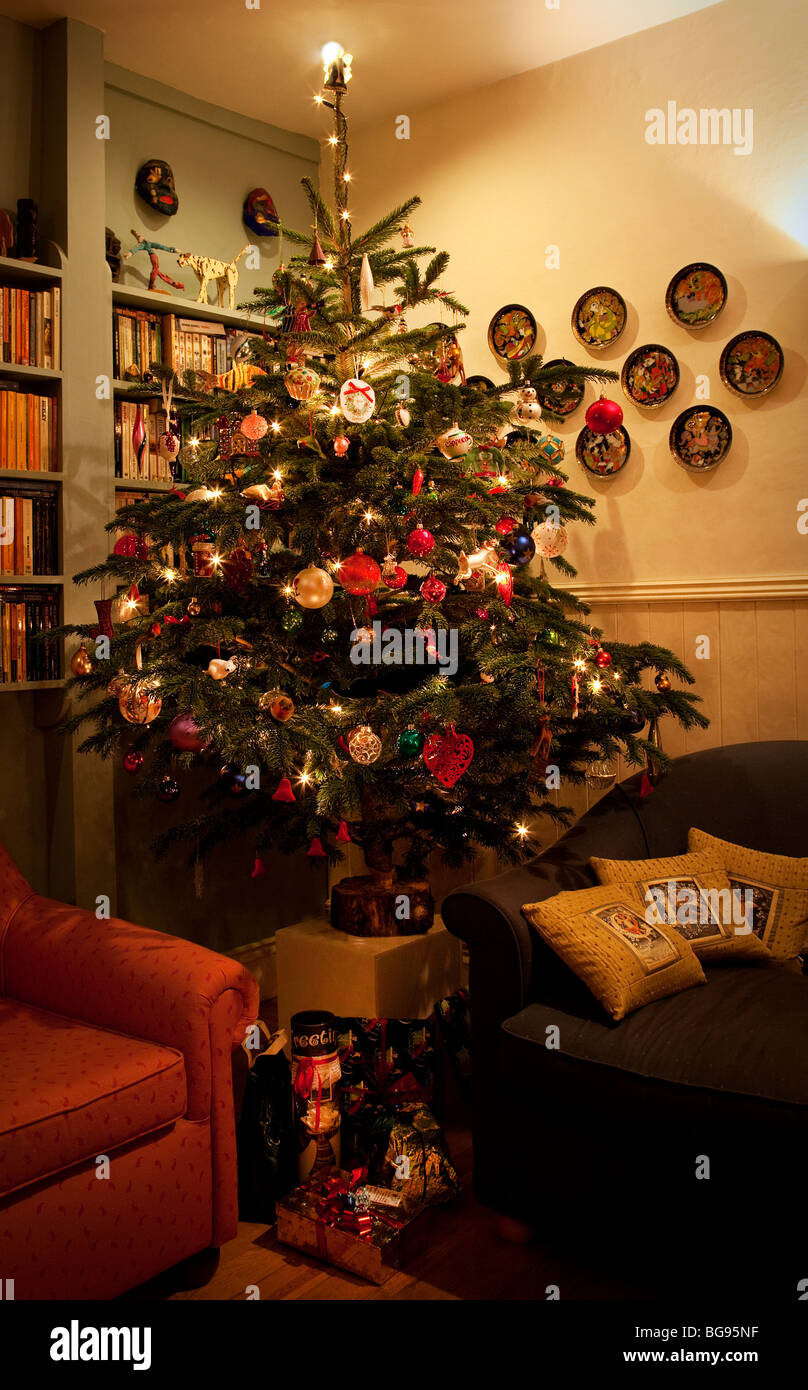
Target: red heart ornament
{"x":448,"y":756}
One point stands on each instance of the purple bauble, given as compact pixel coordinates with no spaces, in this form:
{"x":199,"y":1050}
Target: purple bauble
{"x":186,"y":736}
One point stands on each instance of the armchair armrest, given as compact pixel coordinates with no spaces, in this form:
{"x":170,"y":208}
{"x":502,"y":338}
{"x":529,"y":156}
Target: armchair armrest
{"x":132,"y":980}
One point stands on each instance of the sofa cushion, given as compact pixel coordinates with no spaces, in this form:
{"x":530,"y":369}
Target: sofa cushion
{"x":71,"y":1091}
{"x":600,"y":933}
{"x":679,"y":886}
{"x":778,"y":883}
{"x":745,"y":1034}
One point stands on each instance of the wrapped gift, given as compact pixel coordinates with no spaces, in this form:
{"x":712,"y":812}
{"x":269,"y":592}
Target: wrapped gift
{"x":409,"y":1155}
{"x":357,"y":1226}
{"x":386,"y":1064}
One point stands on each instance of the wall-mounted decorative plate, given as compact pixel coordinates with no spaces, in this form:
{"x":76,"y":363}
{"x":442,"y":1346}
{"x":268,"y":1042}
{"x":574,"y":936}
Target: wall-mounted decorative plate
{"x":599,"y":317}
{"x":650,"y":375}
{"x":480,"y":383}
{"x":603,"y":454}
{"x":560,"y":396}
{"x":700,"y":438}
{"x":696,"y":295}
{"x":512,"y":333}
{"x":751,"y":363}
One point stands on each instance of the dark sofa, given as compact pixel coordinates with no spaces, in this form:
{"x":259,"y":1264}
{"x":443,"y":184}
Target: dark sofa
{"x":600,"y":1138}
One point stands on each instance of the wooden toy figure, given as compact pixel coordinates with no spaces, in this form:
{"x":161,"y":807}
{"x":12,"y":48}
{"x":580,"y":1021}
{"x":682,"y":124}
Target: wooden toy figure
{"x":152,"y":247}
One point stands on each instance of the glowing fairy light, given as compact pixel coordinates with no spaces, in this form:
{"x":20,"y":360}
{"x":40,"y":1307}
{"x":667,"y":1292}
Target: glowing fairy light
{"x":522,"y":831}
{"x":276,"y":427}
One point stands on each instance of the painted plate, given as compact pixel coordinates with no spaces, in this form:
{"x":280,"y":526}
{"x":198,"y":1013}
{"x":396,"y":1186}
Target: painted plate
{"x":599,"y":317}
{"x":561,"y":397}
{"x":603,"y":454}
{"x":696,"y":295}
{"x":512,"y":333}
{"x":700,"y":438}
{"x":480,"y":383}
{"x":650,"y":375}
{"x":751,"y":364}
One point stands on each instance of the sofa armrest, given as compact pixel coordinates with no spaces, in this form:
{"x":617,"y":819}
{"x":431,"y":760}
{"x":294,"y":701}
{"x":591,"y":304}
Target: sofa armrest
{"x":133,"y":980}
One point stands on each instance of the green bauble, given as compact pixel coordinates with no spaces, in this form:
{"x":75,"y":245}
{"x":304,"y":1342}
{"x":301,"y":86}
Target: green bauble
{"x":410,"y":743}
{"x":292,"y":620}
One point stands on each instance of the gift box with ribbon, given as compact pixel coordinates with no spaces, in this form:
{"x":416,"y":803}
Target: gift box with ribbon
{"x":355,"y":1225}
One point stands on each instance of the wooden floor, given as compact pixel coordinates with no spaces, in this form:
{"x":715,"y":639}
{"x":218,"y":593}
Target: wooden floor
{"x":466,"y":1257}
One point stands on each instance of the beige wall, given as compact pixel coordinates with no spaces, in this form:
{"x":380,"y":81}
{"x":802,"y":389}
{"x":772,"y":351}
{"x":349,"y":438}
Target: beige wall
{"x":558,"y":157}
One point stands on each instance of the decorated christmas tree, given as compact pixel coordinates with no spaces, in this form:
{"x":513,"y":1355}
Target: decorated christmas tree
{"x":343,"y":609}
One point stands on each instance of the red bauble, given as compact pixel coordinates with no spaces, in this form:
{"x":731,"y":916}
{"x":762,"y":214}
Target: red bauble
{"x":394,"y":578}
{"x":132,"y":762}
{"x":133,"y":547}
{"x":254,"y":426}
{"x":433,"y":589}
{"x":505,"y":525}
{"x":420,"y":542}
{"x":359,"y":574}
{"x":448,"y":756}
{"x":603,"y":659}
{"x":186,"y":735}
{"x":341,"y":445}
{"x":604,"y":416}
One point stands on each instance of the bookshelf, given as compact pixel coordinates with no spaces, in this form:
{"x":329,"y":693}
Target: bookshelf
{"x":133,"y":297}
{"x":23,"y":382}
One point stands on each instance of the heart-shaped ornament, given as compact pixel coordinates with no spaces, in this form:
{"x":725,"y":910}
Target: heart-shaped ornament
{"x":448,"y":756}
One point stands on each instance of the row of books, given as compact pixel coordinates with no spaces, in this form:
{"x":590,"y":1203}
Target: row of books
{"x":141,"y":339}
{"x":24,"y":614}
{"x":29,"y":531}
{"x":151,"y":465}
{"x":28,"y":431}
{"x":30,"y":324}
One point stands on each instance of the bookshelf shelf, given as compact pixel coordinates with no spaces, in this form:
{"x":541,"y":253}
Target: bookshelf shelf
{"x":19,"y":687}
{"x":132,"y":297}
{"x":54,"y":579}
{"x":135,"y":390}
{"x":143,"y":485}
{"x":21,"y":373}
{"x":26,"y":272}
{"x":31,"y":475}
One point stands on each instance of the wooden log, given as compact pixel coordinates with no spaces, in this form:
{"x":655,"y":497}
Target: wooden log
{"x":368,"y":906}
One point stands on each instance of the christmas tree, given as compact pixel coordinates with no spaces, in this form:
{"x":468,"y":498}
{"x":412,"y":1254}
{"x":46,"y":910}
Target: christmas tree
{"x":335,"y":610}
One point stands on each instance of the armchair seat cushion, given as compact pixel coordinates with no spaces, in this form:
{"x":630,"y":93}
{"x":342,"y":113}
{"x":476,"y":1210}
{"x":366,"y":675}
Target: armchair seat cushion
{"x":71,"y":1091}
{"x":744,"y":1034}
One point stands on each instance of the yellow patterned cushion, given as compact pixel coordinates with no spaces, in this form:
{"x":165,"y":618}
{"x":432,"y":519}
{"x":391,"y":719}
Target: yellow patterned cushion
{"x":695,"y":896}
{"x":601,"y":934}
{"x":779,"y":885}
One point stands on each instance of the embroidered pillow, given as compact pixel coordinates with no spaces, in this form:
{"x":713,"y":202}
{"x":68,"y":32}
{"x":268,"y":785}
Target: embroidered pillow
{"x":778,"y":885}
{"x":602,"y":935}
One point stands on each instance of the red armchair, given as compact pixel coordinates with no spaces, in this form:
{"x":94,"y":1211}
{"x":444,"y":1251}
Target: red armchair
{"x":117,"y":1133}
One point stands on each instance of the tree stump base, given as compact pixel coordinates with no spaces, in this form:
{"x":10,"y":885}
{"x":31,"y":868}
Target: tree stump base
{"x":367,"y":906}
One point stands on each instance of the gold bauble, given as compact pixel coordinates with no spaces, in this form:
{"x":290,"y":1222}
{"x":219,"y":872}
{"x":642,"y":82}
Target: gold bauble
{"x":313,"y":587}
{"x":81,"y":662}
{"x":139,"y":702}
{"x":363,"y":745}
{"x":277,"y":704}
{"x":117,"y":684}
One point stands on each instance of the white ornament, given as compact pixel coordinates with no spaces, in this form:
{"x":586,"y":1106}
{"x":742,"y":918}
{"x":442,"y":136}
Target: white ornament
{"x":551,"y":540}
{"x":454,"y":443}
{"x":527,"y":410}
{"x":366,"y":285}
{"x":402,"y":416}
{"x":357,"y":399}
{"x":218,"y":668}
